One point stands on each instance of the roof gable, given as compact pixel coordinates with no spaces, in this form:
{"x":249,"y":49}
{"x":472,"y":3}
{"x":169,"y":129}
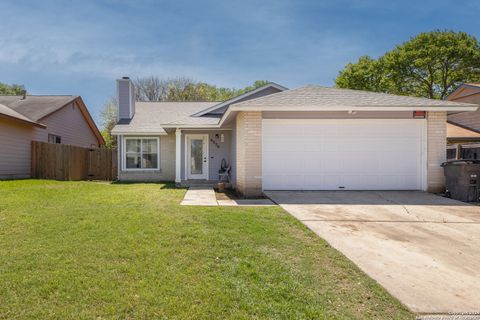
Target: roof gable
{"x":463,"y":90}
{"x":262,"y":91}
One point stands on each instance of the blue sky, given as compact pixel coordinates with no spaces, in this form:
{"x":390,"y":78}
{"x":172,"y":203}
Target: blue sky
{"x":81,"y":47}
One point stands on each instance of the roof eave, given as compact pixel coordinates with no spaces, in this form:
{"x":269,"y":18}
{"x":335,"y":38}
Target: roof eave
{"x":33,"y":123}
{"x":234,"y":99}
{"x":353,"y":108}
{"x":138,"y":133}
{"x":190,"y":126}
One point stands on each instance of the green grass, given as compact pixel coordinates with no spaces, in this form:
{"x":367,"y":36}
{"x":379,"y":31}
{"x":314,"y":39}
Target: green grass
{"x":89,"y":250}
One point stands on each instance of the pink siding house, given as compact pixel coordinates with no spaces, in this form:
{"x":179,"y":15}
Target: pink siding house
{"x":55,"y":119}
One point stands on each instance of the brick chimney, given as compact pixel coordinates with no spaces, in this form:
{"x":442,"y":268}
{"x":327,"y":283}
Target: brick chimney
{"x":126,"y":99}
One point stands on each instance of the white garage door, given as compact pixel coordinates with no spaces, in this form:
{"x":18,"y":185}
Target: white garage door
{"x":343,"y":154}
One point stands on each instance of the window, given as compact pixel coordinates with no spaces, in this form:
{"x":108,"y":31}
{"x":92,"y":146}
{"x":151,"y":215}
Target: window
{"x":54,"y":138}
{"x":141,"y":153}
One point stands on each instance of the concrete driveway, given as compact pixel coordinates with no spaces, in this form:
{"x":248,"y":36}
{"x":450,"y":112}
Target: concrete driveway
{"x":424,"y":249}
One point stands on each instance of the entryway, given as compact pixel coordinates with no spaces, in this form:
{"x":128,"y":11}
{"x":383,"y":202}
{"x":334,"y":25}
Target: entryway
{"x":196,"y":156}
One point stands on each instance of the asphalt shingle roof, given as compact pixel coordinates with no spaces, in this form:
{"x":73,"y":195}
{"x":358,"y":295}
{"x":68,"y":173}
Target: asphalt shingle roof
{"x":313,"y":95}
{"x":35,"y":107}
{"x":153,"y":116}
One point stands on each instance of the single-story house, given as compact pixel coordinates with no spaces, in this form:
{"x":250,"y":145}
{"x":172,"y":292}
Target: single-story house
{"x":273,"y":138}
{"x":468,"y":93}
{"x":55,"y":119}
{"x":459,"y":134}
{"x":463,"y":128}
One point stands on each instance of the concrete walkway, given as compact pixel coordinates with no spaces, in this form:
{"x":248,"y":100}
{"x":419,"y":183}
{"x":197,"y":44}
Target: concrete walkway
{"x":424,"y":249}
{"x":205,"y":196}
{"x":200,"y":196}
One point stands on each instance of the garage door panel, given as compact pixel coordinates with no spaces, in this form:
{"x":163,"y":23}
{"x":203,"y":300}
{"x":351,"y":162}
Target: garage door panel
{"x":360,"y":154}
{"x":313,"y":181}
{"x":330,"y":182}
{"x":361,"y":182}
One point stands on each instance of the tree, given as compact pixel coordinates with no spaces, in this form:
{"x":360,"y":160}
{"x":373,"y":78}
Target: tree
{"x":108,"y":116}
{"x":256,"y":84}
{"x":185,"y":89}
{"x":171,"y":89}
{"x":11,"y":90}
{"x":151,"y":89}
{"x":429,"y":65}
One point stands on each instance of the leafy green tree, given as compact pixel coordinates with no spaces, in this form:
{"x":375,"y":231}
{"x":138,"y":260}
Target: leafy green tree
{"x":11,"y":90}
{"x":185,"y":89}
{"x":256,"y":84}
{"x":429,"y":65}
{"x":108,"y":116}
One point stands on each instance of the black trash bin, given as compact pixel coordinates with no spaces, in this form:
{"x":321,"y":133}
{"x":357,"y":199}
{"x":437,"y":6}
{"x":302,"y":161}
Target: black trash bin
{"x":462,"y":179}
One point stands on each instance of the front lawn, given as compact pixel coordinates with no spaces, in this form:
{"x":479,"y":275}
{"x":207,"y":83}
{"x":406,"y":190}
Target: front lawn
{"x":91,"y":250}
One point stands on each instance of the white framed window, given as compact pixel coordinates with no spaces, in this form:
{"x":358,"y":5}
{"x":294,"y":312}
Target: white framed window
{"x":53,"y":138}
{"x":141,"y":153}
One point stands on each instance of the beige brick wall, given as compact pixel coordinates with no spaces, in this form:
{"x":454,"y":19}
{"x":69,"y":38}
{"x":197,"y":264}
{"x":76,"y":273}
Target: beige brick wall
{"x":436,"y":150}
{"x":249,"y":153}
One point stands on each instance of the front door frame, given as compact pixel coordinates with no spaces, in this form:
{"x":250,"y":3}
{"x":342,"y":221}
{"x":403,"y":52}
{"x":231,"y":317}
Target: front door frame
{"x":204,"y":175}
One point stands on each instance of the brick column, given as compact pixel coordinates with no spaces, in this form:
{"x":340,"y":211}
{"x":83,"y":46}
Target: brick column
{"x":249,"y":153}
{"x":436,"y":150}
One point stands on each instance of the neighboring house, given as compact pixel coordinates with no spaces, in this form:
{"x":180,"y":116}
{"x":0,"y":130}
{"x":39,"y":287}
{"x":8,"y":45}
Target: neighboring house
{"x":469,"y":93}
{"x":463,"y":128}
{"x":55,"y":119}
{"x":459,"y":134}
{"x":310,"y":138}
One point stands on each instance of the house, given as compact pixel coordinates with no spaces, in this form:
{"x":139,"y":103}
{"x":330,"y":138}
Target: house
{"x":463,"y":128}
{"x":459,"y":134}
{"x":309,"y":138}
{"x":55,"y":119}
{"x":469,"y":93}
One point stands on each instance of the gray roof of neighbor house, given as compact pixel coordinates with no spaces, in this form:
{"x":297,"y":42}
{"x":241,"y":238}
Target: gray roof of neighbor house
{"x":10,"y":113}
{"x":318,"y":96}
{"x":152,"y":117}
{"x":36,"y":107}
{"x":33,"y":108}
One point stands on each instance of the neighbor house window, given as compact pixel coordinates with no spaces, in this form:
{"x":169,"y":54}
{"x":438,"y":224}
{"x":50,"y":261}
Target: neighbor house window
{"x":52,"y":138}
{"x":141,"y":153}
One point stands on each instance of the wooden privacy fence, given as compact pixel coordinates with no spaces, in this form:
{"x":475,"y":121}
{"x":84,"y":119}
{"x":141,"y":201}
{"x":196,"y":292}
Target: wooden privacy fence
{"x":65,"y":162}
{"x":467,"y":151}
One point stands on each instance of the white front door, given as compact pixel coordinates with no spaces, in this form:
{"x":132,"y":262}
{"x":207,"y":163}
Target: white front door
{"x":197,"y":156}
{"x":343,"y":154}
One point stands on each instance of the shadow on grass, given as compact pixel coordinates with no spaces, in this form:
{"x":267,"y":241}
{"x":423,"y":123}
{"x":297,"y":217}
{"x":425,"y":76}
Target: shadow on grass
{"x":164,"y":184}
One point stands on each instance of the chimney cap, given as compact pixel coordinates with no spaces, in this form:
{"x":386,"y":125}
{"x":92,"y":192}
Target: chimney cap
{"x":126,"y":78}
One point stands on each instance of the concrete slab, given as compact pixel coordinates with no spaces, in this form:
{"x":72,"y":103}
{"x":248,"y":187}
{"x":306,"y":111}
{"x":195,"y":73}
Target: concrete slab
{"x":205,"y":196}
{"x":227,"y":203}
{"x":254,"y":202}
{"x":424,"y":249}
{"x":199,"y":196}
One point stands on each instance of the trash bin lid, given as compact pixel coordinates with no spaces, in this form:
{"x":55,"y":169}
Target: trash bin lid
{"x":460,"y":162}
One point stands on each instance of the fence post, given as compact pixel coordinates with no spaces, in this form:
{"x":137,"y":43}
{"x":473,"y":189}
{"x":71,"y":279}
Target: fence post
{"x":458,"y":154}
